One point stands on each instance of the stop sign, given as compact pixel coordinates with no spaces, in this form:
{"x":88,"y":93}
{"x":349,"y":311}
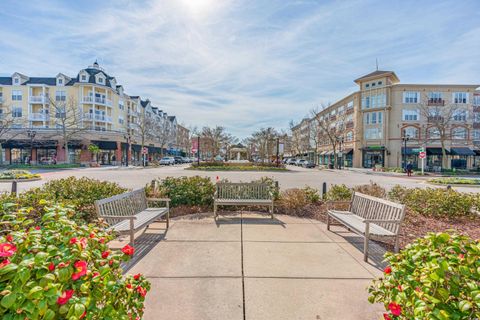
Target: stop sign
{"x":422,"y":155}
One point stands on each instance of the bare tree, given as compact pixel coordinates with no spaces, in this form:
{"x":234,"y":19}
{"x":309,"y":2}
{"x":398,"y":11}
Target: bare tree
{"x":296,"y":140}
{"x":332,"y":128}
{"x":67,"y":121}
{"x":441,"y":118}
{"x":215,"y":141}
{"x":7,"y":127}
{"x":145,"y":128}
{"x":263,"y":140}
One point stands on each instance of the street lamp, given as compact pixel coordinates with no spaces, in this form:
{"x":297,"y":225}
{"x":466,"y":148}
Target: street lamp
{"x":340,"y":142}
{"x":31,"y":134}
{"x":198,"y":150}
{"x":405,"y":139}
{"x":128,"y":138}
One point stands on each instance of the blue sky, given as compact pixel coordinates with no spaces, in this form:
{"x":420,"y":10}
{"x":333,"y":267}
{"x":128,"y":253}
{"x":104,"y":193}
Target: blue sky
{"x":243,"y":64}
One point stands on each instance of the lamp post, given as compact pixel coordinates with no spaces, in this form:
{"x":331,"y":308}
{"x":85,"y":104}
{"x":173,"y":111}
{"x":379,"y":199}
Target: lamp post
{"x":31,"y":134}
{"x":340,"y":142}
{"x":198,"y":150}
{"x":405,"y":139}
{"x":278,"y":150}
{"x":128,"y":138}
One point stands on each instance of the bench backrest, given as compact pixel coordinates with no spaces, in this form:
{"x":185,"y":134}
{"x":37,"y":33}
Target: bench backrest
{"x":243,"y":191}
{"x":369,"y":207}
{"x":125,"y":204}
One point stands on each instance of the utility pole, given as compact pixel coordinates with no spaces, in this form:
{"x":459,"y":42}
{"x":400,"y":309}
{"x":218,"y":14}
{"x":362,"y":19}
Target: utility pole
{"x":278,"y":150}
{"x":198,"y":150}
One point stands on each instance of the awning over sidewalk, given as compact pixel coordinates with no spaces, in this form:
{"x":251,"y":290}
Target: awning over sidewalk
{"x":323,"y":153}
{"x":329,"y":153}
{"x":462,"y":151}
{"x":105,"y":145}
{"x":477,"y":152}
{"x":408,"y":151}
{"x":436,"y":151}
{"x":348,"y":150}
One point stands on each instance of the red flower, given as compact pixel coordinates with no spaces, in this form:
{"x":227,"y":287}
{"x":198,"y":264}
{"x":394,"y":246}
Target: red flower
{"x":142,"y":291}
{"x":128,"y":250}
{"x":9,"y":238}
{"x":92,"y":235}
{"x":386,"y":316}
{"x":395,"y":308}
{"x":461,"y":256}
{"x":95,"y":274}
{"x":51,"y":266}
{"x":418,"y":289}
{"x":400,"y":288}
{"x":105,"y":254}
{"x":110,"y":262}
{"x":81,"y":268}
{"x":73,"y":240}
{"x":83,"y":314}
{"x":128,"y":285}
{"x":4,"y":263}
{"x":37,"y":228}
{"x":63,"y":299}
{"x":101,"y":240}
{"x":388,"y":270}
{"x":83,"y":243}
{"x":137,"y":276}
{"x":7,"y":249}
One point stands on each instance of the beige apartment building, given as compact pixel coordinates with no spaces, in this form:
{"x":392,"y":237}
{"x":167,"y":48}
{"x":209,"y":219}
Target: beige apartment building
{"x":386,"y":124}
{"x":93,"y":107}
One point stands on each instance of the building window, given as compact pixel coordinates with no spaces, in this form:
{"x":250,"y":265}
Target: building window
{"x":60,"y":81}
{"x":373,"y":133}
{"x":17,"y":95}
{"x":350,"y":104}
{"x":83,"y":77}
{"x":374,"y":118}
{"x":16,"y":81}
{"x":410,"y":115}
{"x":476,"y":117}
{"x":476,"y":134}
{"x":60,"y":96}
{"x":367,"y":85}
{"x":100,"y":80}
{"x":411,"y":132}
{"x":460,"y":115}
{"x":459,"y":133}
{"x":410,"y":97}
{"x":435,"y":97}
{"x":120,"y":120}
{"x":17,"y":112}
{"x":476,"y":100}
{"x":349,"y":136}
{"x":380,"y":83}
{"x":460,"y":97}
{"x":366,"y":118}
{"x":373,"y":84}
{"x":433,"y":133}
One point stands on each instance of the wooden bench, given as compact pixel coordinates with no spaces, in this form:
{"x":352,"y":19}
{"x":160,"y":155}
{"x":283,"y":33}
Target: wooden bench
{"x":369,"y":216}
{"x":243,"y":194}
{"x":128,"y":212}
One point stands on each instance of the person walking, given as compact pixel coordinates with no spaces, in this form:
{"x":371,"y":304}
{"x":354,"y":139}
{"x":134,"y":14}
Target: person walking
{"x":409,"y":169}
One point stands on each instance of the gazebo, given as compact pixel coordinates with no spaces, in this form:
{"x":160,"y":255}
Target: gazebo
{"x":238,"y":152}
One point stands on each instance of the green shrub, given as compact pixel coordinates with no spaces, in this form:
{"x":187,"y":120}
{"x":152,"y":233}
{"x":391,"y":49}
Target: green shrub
{"x":371,"y":189}
{"x":455,"y":180}
{"x":192,"y":191}
{"x":435,"y":201}
{"x":18,"y":174}
{"x":435,"y":277}
{"x":58,"y":269}
{"x":395,"y":169}
{"x":338,"y":192}
{"x":78,"y":192}
{"x":292,"y":200}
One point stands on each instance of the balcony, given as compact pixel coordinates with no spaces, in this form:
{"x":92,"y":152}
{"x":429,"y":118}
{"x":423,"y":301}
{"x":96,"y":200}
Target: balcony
{"x":87,"y":99}
{"x":435,"y":102}
{"x":435,"y":119}
{"x":38,"y":99}
{"x":97,"y":117}
{"x":37,"y":116}
{"x":103,"y":101}
{"x":350,"y":125}
{"x":350,"y":111}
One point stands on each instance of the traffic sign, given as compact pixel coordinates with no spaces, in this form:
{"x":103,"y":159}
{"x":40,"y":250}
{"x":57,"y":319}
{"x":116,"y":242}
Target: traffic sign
{"x":422,"y":155}
{"x":145,"y":150}
{"x":415,"y":150}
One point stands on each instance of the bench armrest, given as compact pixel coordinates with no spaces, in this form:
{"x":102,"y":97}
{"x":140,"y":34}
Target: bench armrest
{"x":381,"y":221}
{"x":119,"y":217}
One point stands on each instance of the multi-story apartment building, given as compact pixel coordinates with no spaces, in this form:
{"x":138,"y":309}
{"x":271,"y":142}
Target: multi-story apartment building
{"x":183,"y":143}
{"x":92,"y":108}
{"x":386,"y":123}
{"x":301,"y":139}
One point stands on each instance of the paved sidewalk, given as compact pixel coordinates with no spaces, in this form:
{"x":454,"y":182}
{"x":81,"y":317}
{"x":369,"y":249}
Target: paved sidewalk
{"x":248,"y":266}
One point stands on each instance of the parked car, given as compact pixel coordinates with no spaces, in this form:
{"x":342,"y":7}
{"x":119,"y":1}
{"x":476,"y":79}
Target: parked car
{"x":300,"y":162}
{"x":186,"y":160}
{"x":308,"y":164}
{"x":178,"y":160}
{"x":167,"y":161}
{"x":291,"y":161}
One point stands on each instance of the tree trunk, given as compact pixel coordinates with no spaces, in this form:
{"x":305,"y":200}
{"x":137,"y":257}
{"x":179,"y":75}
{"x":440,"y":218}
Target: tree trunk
{"x":444,"y":155}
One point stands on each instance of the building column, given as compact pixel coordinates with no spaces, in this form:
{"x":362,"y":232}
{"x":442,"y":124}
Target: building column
{"x":8,"y":155}
{"x":34,"y":156}
{"x":118,"y":154}
{"x":60,"y":153}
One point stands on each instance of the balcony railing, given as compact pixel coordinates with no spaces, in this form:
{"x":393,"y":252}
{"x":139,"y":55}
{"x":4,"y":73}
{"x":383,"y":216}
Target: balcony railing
{"x":97,"y":117}
{"x":36,"y":116}
{"x":38,"y":99}
{"x":103,"y":101}
{"x":434,"y":118}
{"x":87,"y":99}
{"x":435,"y":102}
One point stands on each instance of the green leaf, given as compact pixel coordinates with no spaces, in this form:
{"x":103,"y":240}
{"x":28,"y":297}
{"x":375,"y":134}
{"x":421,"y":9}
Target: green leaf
{"x":49,"y":315}
{"x":464,"y":305}
{"x":8,"y":268}
{"x":79,"y":309}
{"x":8,"y":300}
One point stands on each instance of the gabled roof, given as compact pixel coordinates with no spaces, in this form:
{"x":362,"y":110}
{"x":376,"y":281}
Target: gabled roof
{"x":42,"y":80}
{"x":144,"y":103}
{"x":6,"y":81}
{"x":377,"y":74}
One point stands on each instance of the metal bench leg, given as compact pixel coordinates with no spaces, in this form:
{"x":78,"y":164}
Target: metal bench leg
{"x":397,"y":245}
{"x":328,"y":222}
{"x":367,"y":235}
{"x":132,"y":232}
{"x":214,"y":211}
{"x":271,"y":210}
{"x":168,"y":218}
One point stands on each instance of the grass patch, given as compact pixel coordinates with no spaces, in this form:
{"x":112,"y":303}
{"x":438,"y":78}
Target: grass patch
{"x":225,"y":166}
{"x":44,"y":166}
{"x":455,"y":180}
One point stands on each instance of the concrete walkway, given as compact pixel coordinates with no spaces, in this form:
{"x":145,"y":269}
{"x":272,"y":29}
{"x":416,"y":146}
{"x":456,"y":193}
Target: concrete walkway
{"x":249,"y":266}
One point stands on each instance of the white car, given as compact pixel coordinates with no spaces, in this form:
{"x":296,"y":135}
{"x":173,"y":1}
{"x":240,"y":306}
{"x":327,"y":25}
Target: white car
{"x":300,"y":162}
{"x":167,"y":161}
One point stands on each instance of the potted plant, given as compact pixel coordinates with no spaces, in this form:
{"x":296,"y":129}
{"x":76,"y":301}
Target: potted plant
{"x":94,"y":149}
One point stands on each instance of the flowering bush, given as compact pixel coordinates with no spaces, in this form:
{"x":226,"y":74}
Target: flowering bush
{"x":436,"y":277}
{"x":61,"y":270}
{"x":18,"y":174}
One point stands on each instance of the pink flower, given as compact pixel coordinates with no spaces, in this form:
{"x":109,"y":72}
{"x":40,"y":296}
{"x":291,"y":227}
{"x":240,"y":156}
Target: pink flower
{"x":101,"y":240}
{"x":95,"y":274}
{"x":63,"y":299}
{"x":395,"y":308}
{"x":83,"y":242}
{"x":142,"y":291}
{"x":386,"y":316}
{"x":105,"y":254}
{"x":81,"y":268}
{"x":7,"y":249}
{"x":63,"y":264}
{"x":4,"y":263}
{"x":9,"y":238}
{"x":51,"y":266}
{"x":73,"y":240}
{"x":128,"y":250}
{"x":37,"y":228}
{"x":128,"y":286}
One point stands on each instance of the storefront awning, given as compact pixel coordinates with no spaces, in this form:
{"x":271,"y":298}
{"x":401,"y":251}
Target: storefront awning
{"x":105,"y":145}
{"x":329,"y":153}
{"x":477,"y":152}
{"x":323,"y":153}
{"x":462,"y":151}
{"x":408,"y":151}
{"x":136,"y":147}
{"x":436,"y":151}
{"x":348,"y":151}
{"x":46,"y":144}
{"x":374,"y":148}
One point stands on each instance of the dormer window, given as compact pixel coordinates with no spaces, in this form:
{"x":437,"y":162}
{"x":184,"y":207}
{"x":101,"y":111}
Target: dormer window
{"x":100,"y":80}
{"x":83,"y":77}
{"x":16,"y":81}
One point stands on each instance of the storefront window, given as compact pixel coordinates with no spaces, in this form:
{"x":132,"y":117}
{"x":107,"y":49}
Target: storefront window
{"x":371,"y":158}
{"x":20,"y":156}
{"x":46,"y":156}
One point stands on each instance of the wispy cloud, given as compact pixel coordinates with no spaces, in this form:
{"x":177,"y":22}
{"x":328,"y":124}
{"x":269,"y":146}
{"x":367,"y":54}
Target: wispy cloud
{"x":243,"y":64}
